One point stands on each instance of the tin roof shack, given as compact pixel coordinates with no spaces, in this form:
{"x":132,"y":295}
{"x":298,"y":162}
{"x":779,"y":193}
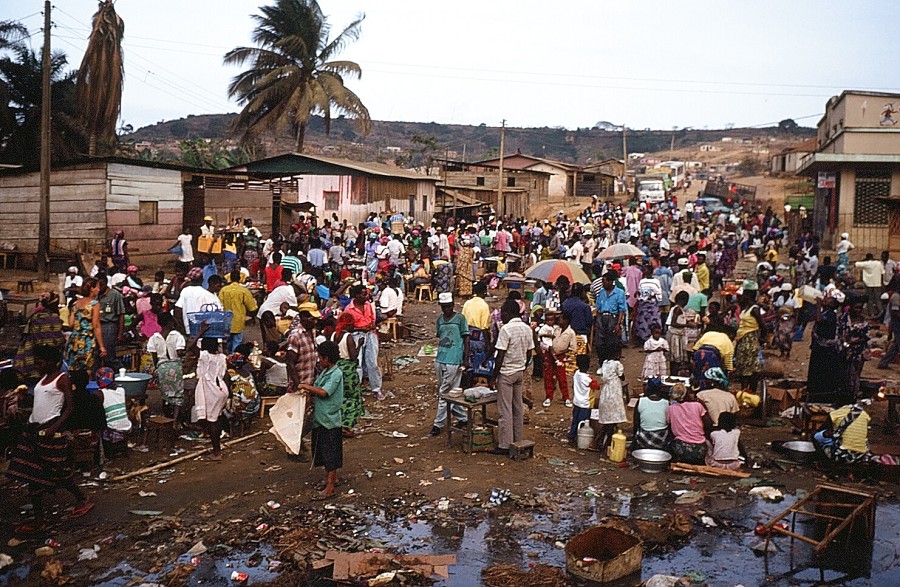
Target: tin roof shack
{"x":596,"y":180}
{"x":856,"y":170}
{"x":562,"y":179}
{"x":349,"y":189}
{"x":522,"y":188}
{"x":91,"y":199}
{"x":789,"y":159}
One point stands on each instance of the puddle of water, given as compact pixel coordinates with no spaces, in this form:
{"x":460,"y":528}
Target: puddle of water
{"x":711,"y":552}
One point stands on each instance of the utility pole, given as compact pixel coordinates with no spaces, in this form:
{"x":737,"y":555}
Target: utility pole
{"x":43,"y":248}
{"x":624,"y":159}
{"x":500,"y":205}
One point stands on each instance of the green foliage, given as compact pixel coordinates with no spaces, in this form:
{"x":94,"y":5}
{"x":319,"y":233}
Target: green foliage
{"x":750,"y":166}
{"x":179,"y":129}
{"x":211,"y":154}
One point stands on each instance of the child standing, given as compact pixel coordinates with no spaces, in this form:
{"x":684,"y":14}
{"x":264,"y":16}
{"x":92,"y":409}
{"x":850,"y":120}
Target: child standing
{"x":582,"y":387}
{"x":725,"y":446}
{"x":211,"y":393}
{"x":611,"y":404}
{"x":167,"y":349}
{"x":656,"y":364}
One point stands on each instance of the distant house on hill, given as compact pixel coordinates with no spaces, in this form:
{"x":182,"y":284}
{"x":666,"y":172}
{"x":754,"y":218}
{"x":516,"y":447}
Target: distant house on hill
{"x":349,"y":189}
{"x":562,"y":175}
{"x":856,"y":170}
{"x":788,"y":159}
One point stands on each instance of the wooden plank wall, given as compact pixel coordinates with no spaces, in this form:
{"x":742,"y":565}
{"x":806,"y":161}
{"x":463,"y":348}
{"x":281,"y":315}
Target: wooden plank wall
{"x":224,"y":205}
{"x":77,"y":206}
{"x":128,"y":186}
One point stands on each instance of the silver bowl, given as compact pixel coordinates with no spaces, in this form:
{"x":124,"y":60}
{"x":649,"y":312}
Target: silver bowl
{"x":651,"y":460}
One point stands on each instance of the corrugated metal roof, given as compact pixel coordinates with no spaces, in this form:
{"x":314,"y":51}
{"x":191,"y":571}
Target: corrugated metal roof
{"x":298,"y":163}
{"x":122,"y":161}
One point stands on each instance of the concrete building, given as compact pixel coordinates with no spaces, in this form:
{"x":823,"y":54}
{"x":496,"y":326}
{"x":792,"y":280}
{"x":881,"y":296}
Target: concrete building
{"x":788,"y":160}
{"x":856,"y":170}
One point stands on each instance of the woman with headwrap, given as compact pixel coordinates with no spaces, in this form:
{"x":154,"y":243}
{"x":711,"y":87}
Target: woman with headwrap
{"x":751,"y":329}
{"x":86,"y":337}
{"x":352,"y":406}
{"x":44,"y":328}
{"x":689,"y":421}
{"x":119,"y":248}
{"x":826,"y":379}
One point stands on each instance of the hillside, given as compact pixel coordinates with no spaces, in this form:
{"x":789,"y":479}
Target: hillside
{"x":407,"y":141}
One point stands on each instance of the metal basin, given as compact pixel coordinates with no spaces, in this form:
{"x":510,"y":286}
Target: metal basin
{"x":798,"y":451}
{"x":651,"y":460}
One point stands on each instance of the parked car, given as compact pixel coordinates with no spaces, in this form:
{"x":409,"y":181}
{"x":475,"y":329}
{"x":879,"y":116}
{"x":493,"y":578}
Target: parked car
{"x":712,"y":205}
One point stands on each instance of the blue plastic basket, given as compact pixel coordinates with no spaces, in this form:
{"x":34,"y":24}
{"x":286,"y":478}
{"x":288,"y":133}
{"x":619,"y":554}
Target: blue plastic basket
{"x":219,"y":321}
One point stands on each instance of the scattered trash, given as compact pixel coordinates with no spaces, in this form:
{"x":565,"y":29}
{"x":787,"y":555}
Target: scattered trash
{"x":147,"y":493}
{"x":398,"y":434}
{"x":88,"y":554}
{"x":382,"y":579}
{"x":5,"y":560}
{"x":103,"y":475}
{"x":145,"y":512}
{"x":499,"y":496}
{"x":708,"y":522}
{"x":539,"y":574}
{"x":53,"y":570}
{"x":44,"y":551}
{"x":443,"y":504}
{"x":404,"y":361}
{"x":14,"y":542}
{"x":198,"y":548}
{"x":262,"y":527}
{"x":666,"y":581}
{"x":273,"y":505}
{"x":239,"y":577}
{"x":689,"y":497}
{"x":363,"y":564}
{"x":764,"y":546}
{"x":471,"y":495}
{"x":398,"y":460}
{"x":273,"y":468}
{"x":768,"y":493}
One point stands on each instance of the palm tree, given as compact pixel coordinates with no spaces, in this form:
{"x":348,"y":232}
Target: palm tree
{"x":292,"y":74}
{"x":100,"y":77}
{"x":20,"y":108}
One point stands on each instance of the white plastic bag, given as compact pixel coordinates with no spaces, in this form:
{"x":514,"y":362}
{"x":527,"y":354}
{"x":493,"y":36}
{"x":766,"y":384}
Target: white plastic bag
{"x":287,"y":420}
{"x":114,"y":406}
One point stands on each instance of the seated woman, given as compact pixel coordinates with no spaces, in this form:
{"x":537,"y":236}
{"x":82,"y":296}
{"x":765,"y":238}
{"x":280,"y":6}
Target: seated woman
{"x":689,"y":422}
{"x":651,"y":427}
{"x":844,"y":439}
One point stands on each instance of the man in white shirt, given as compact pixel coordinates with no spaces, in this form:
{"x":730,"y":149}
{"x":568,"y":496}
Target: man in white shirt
{"x":193,"y":297}
{"x":889,"y":265}
{"x":514,"y":345}
{"x":207,"y":229}
{"x":390,"y":303}
{"x":575,"y":252}
{"x":872,"y":275}
{"x":279,"y":295}
{"x":397,"y":250}
{"x":73,"y":283}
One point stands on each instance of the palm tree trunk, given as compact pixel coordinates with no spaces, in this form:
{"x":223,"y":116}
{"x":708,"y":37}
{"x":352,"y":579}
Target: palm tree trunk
{"x":301,"y":134}
{"x":92,"y":144}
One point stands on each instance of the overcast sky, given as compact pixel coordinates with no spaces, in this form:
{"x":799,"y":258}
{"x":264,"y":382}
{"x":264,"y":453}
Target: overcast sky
{"x":569,"y":63}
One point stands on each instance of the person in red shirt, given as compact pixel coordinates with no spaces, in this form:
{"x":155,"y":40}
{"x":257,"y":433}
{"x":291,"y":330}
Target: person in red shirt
{"x":366,"y":338}
{"x":273,"y":272}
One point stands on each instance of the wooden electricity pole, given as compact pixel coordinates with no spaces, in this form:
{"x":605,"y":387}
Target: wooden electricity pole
{"x":43,"y":249}
{"x":624,"y":160}
{"x":501,"y":207}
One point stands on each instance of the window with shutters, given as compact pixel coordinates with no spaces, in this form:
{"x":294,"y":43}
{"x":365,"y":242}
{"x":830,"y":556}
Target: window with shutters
{"x":148,"y":212}
{"x":868,"y":207}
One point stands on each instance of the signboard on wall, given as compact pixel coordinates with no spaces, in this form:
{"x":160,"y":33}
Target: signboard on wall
{"x":827,"y":180}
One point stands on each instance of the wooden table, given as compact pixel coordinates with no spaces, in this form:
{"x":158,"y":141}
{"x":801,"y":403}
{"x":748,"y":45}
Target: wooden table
{"x":24,"y":301}
{"x":470,"y":408}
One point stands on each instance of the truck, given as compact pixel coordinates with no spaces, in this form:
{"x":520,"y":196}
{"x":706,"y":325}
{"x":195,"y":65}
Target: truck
{"x":729,"y":192}
{"x":651,"y":188}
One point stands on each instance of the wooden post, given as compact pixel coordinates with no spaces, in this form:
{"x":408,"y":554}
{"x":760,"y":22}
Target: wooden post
{"x":624,"y":159}
{"x":43,"y":248}
{"x":501,"y":207}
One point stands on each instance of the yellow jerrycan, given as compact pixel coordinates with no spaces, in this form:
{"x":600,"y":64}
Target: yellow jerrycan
{"x":616,"y":449}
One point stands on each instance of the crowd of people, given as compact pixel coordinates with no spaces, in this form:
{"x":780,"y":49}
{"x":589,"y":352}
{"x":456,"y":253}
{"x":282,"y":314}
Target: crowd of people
{"x":321,"y":293}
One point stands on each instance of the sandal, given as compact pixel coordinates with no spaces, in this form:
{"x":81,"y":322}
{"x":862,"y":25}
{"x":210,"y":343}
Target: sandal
{"x":322,"y":497}
{"x":215,"y":458}
{"x":321,"y":486}
{"x":80,"y":511}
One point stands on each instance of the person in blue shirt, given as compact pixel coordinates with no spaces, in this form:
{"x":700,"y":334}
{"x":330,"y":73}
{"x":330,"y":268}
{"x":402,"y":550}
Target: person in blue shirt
{"x":580,"y":311}
{"x":611,"y":310}
{"x":452,"y":354}
{"x":315,"y":255}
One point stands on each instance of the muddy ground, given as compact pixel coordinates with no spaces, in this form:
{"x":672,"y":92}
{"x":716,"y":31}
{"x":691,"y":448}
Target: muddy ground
{"x":391,"y":499}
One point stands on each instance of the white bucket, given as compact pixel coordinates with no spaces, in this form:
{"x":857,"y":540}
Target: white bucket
{"x":585,"y":434}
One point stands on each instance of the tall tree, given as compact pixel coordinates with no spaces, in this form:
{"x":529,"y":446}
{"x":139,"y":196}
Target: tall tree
{"x":293,"y":73}
{"x":20,"y":108}
{"x":100,"y":78}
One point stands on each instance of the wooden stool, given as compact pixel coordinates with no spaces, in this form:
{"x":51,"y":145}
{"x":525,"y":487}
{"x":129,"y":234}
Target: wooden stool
{"x":25,"y":286}
{"x":391,"y":325}
{"x":519,"y":451}
{"x":266,"y":401}
{"x":422,"y":289}
{"x":157,"y":424}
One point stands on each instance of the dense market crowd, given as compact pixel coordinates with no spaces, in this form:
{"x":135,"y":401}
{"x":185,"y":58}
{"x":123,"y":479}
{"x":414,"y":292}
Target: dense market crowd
{"x":658,"y":278}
